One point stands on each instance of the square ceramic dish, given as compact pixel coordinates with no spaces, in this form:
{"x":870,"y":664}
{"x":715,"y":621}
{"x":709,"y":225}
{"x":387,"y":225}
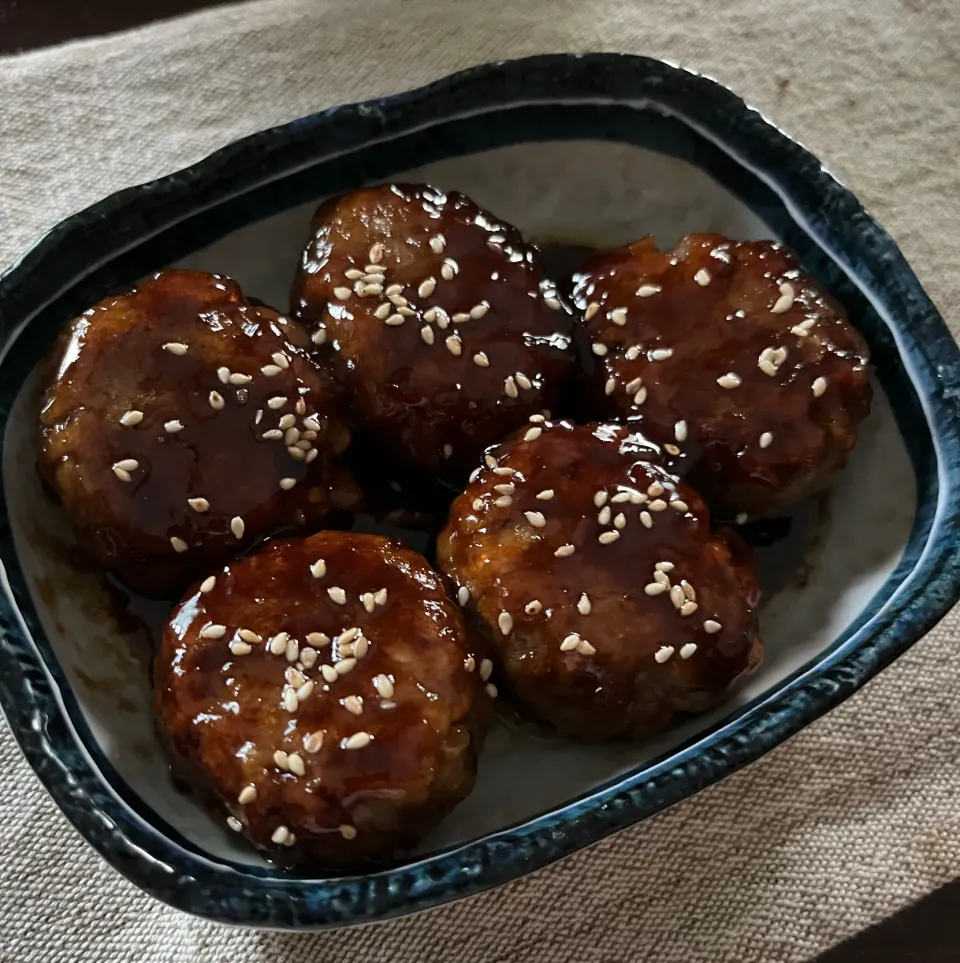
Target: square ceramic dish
{"x":593,"y":150}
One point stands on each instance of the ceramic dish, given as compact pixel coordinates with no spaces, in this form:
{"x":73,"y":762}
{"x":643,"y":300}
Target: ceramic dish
{"x":594,"y":150}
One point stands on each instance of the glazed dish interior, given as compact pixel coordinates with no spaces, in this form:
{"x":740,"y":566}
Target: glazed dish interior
{"x":825,"y":565}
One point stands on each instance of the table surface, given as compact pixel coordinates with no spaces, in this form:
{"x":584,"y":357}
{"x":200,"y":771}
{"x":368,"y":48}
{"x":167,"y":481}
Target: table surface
{"x":922,"y":933}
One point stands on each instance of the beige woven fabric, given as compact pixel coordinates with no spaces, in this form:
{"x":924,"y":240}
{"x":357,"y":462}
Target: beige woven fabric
{"x":852,"y":819}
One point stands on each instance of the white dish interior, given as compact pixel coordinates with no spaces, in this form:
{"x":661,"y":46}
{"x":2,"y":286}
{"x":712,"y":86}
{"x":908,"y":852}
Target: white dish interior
{"x":838,"y":555}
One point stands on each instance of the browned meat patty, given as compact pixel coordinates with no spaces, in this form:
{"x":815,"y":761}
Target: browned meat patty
{"x":610,"y":605}
{"x":183,"y":424}
{"x":730,"y":353}
{"x":444,"y":329}
{"x":322,"y":695}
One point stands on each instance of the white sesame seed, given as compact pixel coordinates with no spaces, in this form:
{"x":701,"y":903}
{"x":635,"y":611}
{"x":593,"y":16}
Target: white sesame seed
{"x":585,"y":648}
{"x":729,"y":380}
{"x":398,"y":301}
{"x":308,"y":658}
{"x":380,"y":596}
{"x":297,"y":454}
{"x":319,"y":336}
{"x":313,"y":741}
{"x":647,"y":290}
{"x":570,"y":642}
{"x":688,"y":590}
{"x":176,"y":347}
{"x":384,"y":686}
{"x":280,"y":759}
{"x":654,"y":588}
{"x":447,"y":450}
{"x":677,"y":596}
{"x":491,"y":690}
{"x":213,"y":632}
{"x":767,"y":367}
{"x":766,"y":439}
{"x":343,"y":666}
{"x":454,"y":345}
{"x":477,"y":504}
{"x":463,"y":595}
{"x":479,"y":310}
{"x":610,"y":386}
{"x":504,"y":501}
{"x":533,"y":607}
{"x":592,"y":309}
{"x":128,"y":464}
{"x":654,"y":489}
{"x":353,"y":705}
{"x":510,"y":387}
{"x":486,"y":669}
{"x":286,"y":421}
{"x":619,"y":316}
{"x":295,"y":762}
{"x":198,"y":504}
{"x":505,"y":488}
{"x":427,"y":334}
{"x":632,"y":353}
{"x":461,"y":317}
{"x":605,"y":514}
{"x":600,"y":350}
{"x":481,"y":359}
{"x":702,"y":277}
{"x":272,"y":434}
{"x":280,"y":835}
{"x":359,"y":740}
{"x":122,"y":474}
{"x":337,"y":595}
{"x":819,"y":387}
{"x":278,"y":644}
{"x":292,"y":650}
{"x":583,"y":604}
{"x":620,"y":520}
{"x":688,"y":608}
{"x":779,"y":356}
{"x":270,"y":370}
{"x":523,"y":381}
{"x":329,"y":673}
{"x":657,"y":505}
{"x":248,"y":635}
{"x":342,"y":293}
{"x":637,"y":498}
{"x":664,"y":566}
{"x":371,"y":287}
{"x":503,"y":470}
{"x":680,"y":431}
{"x":533,"y":434}
{"x":536,"y":519}
{"x":646,"y":518}
{"x":236,"y":378}
{"x":552,"y":303}
{"x":662,"y":578}
{"x":545,"y":495}
{"x":663,"y":653}
{"x":375,"y":254}
{"x":319,"y":568}
{"x":247,"y":795}
{"x":287,"y":483}
{"x":353,"y":274}
{"x":679,"y":505}
{"x":237,"y":526}
{"x":382,"y":311}
{"x":290,"y":701}
{"x":216,"y":400}
{"x":661,"y":354}
{"x":505,"y":622}
{"x":564,"y":551}
{"x":785,"y":301}
{"x":179,"y":545}
{"x":131,"y":418}
{"x":278,"y":401}
{"x":607,"y":537}
{"x":172,"y":427}
{"x":208,"y":585}
{"x":427,"y":287}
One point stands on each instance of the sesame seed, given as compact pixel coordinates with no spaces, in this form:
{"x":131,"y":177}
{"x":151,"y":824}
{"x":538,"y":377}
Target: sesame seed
{"x":208,"y":584}
{"x":292,"y":650}
{"x":610,"y":386}
{"x":679,"y":505}
{"x":240,"y":379}
{"x":179,"y":545}
{"x":523,"y":381}
{"x":647,"y":290}
{"x":198,"y":504}
{"x":533,"y":434}
{"x":248,"y":636}
{"x":564,"y":551}
{"x":702,"y":277}
{"x":122,"y":474}
{"x":486,"y":669}
{"x":216,"y":400}
{"x":545,"y":495}
{"x":380,"y":596}
{"x":655,"y":588}
{"x":313,"y":741}
{"x":585,"y":648}
{"x":632,"y":353}
{"x":280,"y":835}
{"x":619,"y":316}
{"x":646,"y":518}
{"x":329,"y":673}
{"x":382,"y":311}
{"x":172,"y":427}
{"x":398,"y":301}
{"x":481,"y":359}
{"x":319,"y":336}
{"x":664,"y":566}
{"x":671,"y":449}
{"x":342,"y":294}
{"x":536,"y":519}
{"x":286,"y":421}
{"x":688,"y":590}
{"x":273,"y":434}
{"x":375,"y":253}
{"x":504,"y":501}
{"x":505,"y":488}
{"x":607,"y":537}
{"x":213,"y":632}
{"x":449,"y":269}
{"x":290,"y":701}
{"x":461,"y":317}
{"x":427,"y":287}
{"x":131,"y":418}
{"x":384,"y":686}
{"x":661,"y":354}
{"x":247,"y":795}
{"x":345,"y":665}
{"x":766,"y":439}
{"x":280,"y":759}
{"x":687,"y":650}
{"x":427,"y":335}
{"x":454,"y":345}
{"x":637,"y":498}
{"x":785,"y":301}
{"x":592,"y":309}
{"x":352,"y":704}
{"x":348,"y":831}
{"x":600,"y":499}
{"x":278,"y":401}
{"x":297,"y":454}
{"x":287,"y":483}
{"x":479,"y":310}
{"x":271,"y":369}
{"x":278,"y":644}
{"x":503,"y":470}
{"x":505,"y":622}
{"x":510,"y":387}
{"x":680,"y":431}
{"x":570,"y":642}
{"x":436,"y":244}
{"x":318,"y":639}
{"x":768,"y":368}
{"x":128,"y":464}
{"x":552,"y":303}
{"x":308,"y":659}
{"x":337,"y":594}
{"x":620,"y":520}
{"x":583,"y":605}
{"x":604,"y":517}
{"x":353,"y":274}
{"x":463,"y":595}
{"x":662,"y":578}
{"x":663,"y":653}
{"x":491,"y":690}
{"x":477,"y":504}
{"x":359,"y":740}
{"x":688,"y":608}
{"x":677,"y":596}
{"x":319,"y":568}
{"x":176,"y":347}
{"x":657,"y":505}
{"x":295,"y":762}
{"x":819,"y":387}
{"x":237,"y":526}
{"x":532,"y":608}
{"x":600,"y":350}
{"x":729,"y":380}
{"x":654,"y":489}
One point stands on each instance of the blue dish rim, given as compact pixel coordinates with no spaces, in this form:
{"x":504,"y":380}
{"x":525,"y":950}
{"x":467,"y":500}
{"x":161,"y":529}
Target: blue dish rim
{"x":31,"y":692}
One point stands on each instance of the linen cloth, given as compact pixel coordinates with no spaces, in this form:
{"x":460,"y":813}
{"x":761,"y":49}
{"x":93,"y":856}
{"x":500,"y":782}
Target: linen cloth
{"x":849,"y":821}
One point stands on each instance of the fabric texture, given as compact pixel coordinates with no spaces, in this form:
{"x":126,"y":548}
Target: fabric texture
{"x":854,"y":817}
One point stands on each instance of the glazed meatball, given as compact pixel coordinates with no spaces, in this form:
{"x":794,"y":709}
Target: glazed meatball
{"x":727,"y":351}
{"x":322,"y":695}
{"x":182,"y":424}
{"x":596,"y":579}
{"x":444,"y":329}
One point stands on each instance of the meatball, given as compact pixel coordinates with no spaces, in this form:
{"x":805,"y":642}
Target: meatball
{"x":322,"y":695}
{"x":182,"y":424}
{"x":729,"y":352}
{"x":444,"y":329}
{"x":595,"y":577}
